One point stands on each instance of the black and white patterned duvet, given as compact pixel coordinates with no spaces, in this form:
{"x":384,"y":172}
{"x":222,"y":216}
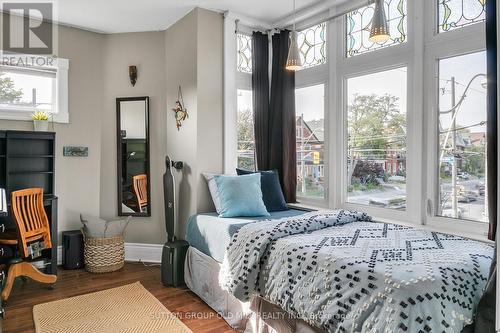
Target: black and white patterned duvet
{"x":341,"y":272}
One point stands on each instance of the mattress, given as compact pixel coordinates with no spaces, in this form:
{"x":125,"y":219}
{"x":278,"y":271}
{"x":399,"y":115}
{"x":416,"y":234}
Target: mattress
{"x":211,"y":234}
{"x":201,"y":274}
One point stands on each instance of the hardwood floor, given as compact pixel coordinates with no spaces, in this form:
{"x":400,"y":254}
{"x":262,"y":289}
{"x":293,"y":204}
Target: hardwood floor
{"x":19,"y":316}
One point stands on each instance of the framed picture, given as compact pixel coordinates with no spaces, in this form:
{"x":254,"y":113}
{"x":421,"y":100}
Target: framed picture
{"x":76,"y":151}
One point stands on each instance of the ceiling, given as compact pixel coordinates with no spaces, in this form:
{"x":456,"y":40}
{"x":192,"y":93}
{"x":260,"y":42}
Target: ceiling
{"x":116,"y":16}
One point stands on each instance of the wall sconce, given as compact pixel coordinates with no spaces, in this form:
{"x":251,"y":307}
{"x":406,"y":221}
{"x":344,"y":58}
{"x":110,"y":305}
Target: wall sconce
{"x":132,"y":72}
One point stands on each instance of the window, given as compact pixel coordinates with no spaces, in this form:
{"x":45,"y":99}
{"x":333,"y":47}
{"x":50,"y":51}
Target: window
{"x":244,"y":43}
{"x":310,"y":111}
{"x":462,"y":137}
{"x":245,"y":130}
{"x":358,"y":27}
{"x":376,"y":139}
{"x":26,"y":89}
{"x":380,"y":131}
{"x":245,"y":157}
{"x":454,"y":14}
{"x":312,"y":45}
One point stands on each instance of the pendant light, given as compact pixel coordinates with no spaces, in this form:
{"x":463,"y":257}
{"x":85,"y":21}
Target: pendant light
{"x":379,"y":31}
{"x":293,"y":62}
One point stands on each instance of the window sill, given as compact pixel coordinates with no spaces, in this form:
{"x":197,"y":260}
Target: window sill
{"x":432,"y":227}
{"x":475,"y":236}
{"x":25,"y":115}
{"x":304,"y":207}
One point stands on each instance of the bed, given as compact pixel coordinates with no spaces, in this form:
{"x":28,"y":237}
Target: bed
{"x":211,"y":235}
{"x":334,"y":271}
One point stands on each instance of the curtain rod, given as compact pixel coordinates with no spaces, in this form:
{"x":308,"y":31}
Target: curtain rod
{"x":344,"y":12}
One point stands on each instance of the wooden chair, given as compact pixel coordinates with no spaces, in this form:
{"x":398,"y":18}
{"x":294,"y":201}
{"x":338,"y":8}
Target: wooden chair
{"x":33,"y":235}
{"x":140,"y":183}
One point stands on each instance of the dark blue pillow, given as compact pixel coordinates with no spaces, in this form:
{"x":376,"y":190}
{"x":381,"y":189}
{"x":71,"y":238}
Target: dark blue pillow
{"x":271,"y":189}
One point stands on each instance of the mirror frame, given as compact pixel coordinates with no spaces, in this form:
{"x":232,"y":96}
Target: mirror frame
{"x":119,"y":154}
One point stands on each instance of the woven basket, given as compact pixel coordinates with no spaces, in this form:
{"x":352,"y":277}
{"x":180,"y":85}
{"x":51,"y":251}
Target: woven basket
{"x":103,"y":255}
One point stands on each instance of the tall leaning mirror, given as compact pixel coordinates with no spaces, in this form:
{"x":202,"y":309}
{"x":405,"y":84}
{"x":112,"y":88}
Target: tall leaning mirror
{"x":132,"y":121}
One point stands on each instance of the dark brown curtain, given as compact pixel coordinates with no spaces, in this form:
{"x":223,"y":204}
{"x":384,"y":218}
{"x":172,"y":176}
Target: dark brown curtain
{"x":260,"y":95}
{"x":485,"y":313}
{"x":282,"y":135}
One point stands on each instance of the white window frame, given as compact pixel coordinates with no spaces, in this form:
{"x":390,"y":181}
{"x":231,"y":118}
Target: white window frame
{"x":423,"y":44}
{"x":309,"y":79}
{"x":243,"y":79}
{"x":61,"y":67}
{"x":393,"y":46}
{"x":232,"y":81}
{"x":386,"y":213}
{"x":243,"y":82}
{"x":440,"y":46}
{"x":313,"y":76}
{"x":391,"y":57}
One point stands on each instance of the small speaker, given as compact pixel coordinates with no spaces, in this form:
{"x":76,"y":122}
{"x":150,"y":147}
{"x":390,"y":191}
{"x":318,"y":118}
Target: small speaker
{"x":172,"y":263}
{"x":72,"y":251}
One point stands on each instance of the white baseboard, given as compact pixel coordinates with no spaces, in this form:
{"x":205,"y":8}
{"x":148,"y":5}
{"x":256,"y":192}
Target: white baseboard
{"x":134,"y":252}
{"x":143,"y":252}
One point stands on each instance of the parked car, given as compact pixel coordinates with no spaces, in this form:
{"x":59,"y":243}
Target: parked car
{"x":468,"y":193}
{"x":397,"y":179}
{"x":448,"y":212}
{"x":465,"y":198}
{"x":481,"y":189}
{"x":463,"y":175}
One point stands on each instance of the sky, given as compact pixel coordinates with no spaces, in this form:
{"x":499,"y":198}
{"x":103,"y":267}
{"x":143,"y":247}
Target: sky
{"x":43,"y":86}
{"x":463,"y":68}
{"x":392,"y":82}
{"x":310,"y":102}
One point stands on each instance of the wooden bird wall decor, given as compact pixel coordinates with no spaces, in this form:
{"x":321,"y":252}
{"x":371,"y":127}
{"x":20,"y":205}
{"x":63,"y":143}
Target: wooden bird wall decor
{"x":180,"y":111}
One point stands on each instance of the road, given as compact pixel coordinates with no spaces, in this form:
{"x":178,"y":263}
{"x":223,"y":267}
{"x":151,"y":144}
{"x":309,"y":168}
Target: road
{"x":473,"y":210}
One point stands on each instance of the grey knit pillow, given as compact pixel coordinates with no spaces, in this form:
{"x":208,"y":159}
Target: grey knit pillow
{"x":93,"y":226}
{"x":116,"y":227}
{"x":97,"y":227}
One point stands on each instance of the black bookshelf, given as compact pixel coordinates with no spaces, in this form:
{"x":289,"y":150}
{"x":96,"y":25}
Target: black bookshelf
{"x":27,"y":159}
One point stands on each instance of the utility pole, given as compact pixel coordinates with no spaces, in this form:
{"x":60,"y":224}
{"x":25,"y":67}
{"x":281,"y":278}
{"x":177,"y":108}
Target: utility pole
{"x":454,"y":202}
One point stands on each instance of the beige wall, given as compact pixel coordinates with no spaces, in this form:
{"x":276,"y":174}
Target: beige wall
{"x":194,"y":61}
{"x":77,"y":179}
{"x":180,"y":60}
{"x":210,"y":102}
{"x":188,"y":54}
{"x":147,"y":51}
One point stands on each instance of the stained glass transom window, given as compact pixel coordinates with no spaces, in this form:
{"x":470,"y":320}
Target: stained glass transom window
{"x":244,"y":53}
{"x":312,"y":45}
{"x":358,"y":24}
{"x":454,"y":14}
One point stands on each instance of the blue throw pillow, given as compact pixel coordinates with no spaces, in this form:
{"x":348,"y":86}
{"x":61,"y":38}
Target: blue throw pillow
{"x":271,"y":189}
{"x":240,"y":196}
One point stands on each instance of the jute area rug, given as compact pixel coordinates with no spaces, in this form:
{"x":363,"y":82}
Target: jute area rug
{"x":127,"y":309}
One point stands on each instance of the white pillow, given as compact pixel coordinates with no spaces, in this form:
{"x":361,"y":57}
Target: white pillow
{"x":214,"y":191}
